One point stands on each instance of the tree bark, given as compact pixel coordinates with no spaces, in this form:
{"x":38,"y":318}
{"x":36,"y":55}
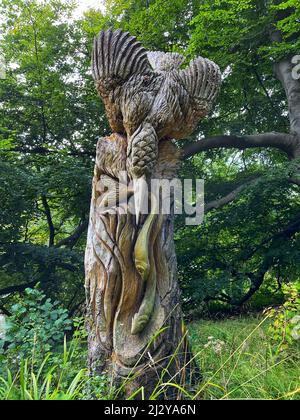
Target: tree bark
{"x":283,"y":71}
{"x":289,"y":144}
{"x":135,"y":327}
{"x":135,"y":321}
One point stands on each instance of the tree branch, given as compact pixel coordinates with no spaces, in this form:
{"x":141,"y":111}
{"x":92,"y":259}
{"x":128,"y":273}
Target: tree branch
{"x":44,"y":152}
{"x":4,"y":311}
{"x":265,"y":90}
{"x":49,"y":220}
{"x":288,"y":231}
{"x":294,"y":180}
{"x":215,"y":204}
{"x":285,"y":142}
{"x":71,"y":240}
{"x":283,"y":72}
{"x":19,"y":288}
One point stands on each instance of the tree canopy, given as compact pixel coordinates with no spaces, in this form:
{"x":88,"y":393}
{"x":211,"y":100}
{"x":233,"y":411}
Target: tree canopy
{"x":247,"y":151}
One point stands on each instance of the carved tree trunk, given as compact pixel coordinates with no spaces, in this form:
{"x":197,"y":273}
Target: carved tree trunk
{"x":135,"y":324}
{"x":135,"y":327}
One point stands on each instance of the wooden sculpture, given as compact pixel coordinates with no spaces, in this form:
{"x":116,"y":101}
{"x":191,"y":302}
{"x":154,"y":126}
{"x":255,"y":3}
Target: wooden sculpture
{"x":131,"y":281}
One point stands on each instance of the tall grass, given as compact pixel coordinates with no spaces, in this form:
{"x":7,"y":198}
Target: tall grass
{"x":236,"y":357}
{"x":35,"y":381}
{"x":239,"y":361}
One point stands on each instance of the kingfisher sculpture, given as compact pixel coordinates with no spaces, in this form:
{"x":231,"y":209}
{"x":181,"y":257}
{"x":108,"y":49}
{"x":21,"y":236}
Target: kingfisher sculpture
{"x":130,"y":261}
{"x":147,"y":97}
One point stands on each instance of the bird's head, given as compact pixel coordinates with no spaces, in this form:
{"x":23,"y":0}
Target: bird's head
{"x":164,"y":62}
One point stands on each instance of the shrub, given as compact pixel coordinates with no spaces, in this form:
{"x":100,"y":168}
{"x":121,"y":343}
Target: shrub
{"x":284,"y":329}
{"x":37,"y":326}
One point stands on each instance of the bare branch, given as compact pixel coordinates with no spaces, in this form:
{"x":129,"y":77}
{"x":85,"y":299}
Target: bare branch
{"x":285,"y":142}
{"x":215,"y":204}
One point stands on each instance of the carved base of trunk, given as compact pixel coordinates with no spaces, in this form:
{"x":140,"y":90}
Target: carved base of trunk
{"x":134,"y":317}
{"x":146,"y":362}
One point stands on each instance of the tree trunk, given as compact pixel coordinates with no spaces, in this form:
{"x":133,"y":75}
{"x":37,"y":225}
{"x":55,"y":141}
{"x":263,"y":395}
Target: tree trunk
{"x":135,"y":326}
{"x":135,"y":322}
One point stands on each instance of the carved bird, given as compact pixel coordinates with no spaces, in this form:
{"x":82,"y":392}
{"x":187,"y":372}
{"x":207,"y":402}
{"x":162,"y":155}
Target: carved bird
{"x":148,"y":97}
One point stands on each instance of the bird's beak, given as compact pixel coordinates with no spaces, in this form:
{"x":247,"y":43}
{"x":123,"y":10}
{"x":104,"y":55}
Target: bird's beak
{"x":140,"y":187}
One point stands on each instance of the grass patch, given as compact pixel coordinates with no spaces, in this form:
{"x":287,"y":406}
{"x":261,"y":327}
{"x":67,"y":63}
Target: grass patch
{"x":238,"y":358}
{"x":255,"y":371}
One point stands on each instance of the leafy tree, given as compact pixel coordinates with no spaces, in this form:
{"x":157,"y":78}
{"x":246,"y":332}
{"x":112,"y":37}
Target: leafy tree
{"x":247,"y":151}
{"x":48,"y":131}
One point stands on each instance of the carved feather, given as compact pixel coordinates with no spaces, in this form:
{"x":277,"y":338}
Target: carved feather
{"x":202,"y":79}
{"x":139,"y":87}
{"x":116,"y":57}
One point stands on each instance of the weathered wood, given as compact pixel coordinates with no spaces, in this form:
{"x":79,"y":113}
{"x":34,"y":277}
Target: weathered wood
{"x":116,"y":292}
{"x":133,"y":299}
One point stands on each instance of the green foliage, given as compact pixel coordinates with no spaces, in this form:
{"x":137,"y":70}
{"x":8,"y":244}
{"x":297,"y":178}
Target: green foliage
{"x":51,"y":117}
{"x":47,"y":134}
{"x":36,"y":326}
{"x":60,"y":374}
{"x":285,"y":319}
{"x":157,"y":24}
{"x":238,"y":361}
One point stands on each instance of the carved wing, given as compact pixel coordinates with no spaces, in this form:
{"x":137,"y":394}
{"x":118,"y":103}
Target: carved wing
{"x":117,"y":56}
{"x":202,"y":80}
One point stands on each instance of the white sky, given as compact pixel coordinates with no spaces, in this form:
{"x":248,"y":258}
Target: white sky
{"x":83,"y":5}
